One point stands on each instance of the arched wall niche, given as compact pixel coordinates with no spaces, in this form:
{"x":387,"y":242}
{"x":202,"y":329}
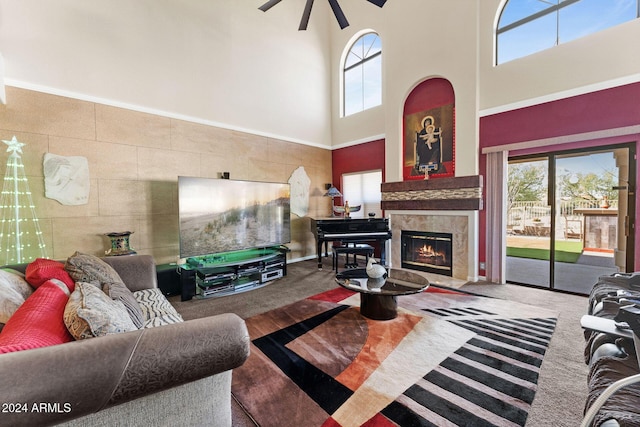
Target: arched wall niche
{"x":428,"y":130}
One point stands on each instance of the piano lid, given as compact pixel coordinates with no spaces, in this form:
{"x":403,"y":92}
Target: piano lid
{"x":342,"y":219}
{"x":349,"y":225}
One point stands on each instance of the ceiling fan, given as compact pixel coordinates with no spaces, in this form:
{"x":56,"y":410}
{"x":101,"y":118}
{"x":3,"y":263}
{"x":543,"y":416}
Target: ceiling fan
{"x":337,"y":11}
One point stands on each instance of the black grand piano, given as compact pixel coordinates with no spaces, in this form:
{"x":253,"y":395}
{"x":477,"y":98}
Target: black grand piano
{"x":350,"y":230}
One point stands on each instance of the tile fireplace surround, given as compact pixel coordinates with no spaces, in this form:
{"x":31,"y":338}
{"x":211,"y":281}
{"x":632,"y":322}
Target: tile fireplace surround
{"x":457,"y":225}
{"x":447,"y":205}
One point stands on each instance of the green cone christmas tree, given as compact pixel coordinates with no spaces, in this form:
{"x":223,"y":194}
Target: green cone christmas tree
{"x":21,"y":239}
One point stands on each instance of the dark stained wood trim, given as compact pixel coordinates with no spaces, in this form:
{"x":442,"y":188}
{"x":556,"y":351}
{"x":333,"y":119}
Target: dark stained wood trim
{"x":474,"y":181}
{"x":434,"y":194}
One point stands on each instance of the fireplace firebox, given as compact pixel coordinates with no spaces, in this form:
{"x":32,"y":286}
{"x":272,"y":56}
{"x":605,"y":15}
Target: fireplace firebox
{"x":427,"y":251}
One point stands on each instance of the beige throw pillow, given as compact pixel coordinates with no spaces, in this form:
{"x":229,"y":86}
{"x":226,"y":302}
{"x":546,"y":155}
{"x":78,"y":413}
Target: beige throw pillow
{"x":91,"y":269}
{"x":14,"y":290}
{"x":91,"y":313}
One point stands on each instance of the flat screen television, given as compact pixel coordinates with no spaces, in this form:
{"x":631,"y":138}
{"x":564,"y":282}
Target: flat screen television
{"x":224,"y":215}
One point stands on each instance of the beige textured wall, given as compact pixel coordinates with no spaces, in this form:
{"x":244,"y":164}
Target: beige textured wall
{"x":134,"y":162}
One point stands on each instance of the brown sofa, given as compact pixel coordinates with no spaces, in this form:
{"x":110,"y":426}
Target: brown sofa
{"x":178,"y":374}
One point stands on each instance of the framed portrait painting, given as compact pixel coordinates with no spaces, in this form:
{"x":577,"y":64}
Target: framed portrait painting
{"x":428,"y":143}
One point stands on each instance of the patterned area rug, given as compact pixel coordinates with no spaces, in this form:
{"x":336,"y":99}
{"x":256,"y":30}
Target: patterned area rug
{"x":447,"y":359}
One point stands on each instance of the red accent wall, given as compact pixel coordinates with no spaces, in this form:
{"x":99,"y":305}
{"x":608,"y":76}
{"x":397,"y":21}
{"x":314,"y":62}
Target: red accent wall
{"x":605,"y":109}
{"x":357,"y":158}
{"x":431,"y":93}
{"x":600,"y":110}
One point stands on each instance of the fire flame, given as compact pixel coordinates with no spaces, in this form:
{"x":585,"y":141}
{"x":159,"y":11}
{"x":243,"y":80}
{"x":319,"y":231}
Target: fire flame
{"x":429,"y":251}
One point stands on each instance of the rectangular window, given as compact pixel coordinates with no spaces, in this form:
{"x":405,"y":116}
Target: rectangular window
{"x":363,"y":189}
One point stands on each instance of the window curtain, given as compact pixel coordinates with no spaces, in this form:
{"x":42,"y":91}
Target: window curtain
{"x":496,"y":211}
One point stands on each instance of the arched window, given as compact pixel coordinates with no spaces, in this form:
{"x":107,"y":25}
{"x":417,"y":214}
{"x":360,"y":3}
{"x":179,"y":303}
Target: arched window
{"x":362,"y":74}
{"x":530,"y":26}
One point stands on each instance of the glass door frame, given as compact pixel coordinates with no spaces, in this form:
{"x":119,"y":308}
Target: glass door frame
{"x":629,"y":222}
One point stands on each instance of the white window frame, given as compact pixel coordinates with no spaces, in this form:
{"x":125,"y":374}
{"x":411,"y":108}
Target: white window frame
{"x":344,"y":68}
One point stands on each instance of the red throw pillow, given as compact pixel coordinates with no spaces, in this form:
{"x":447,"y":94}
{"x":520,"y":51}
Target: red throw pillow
{"x":43,"y":269}
{"x":38,"y":322}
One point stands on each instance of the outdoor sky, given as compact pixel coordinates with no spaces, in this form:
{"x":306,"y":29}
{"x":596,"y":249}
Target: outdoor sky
{"x":575,"y":20}
{"x":598,"y":163}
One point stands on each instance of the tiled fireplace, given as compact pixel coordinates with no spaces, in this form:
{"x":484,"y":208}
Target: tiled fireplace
{"x":430,"y":223}
{"x":446,"y":212}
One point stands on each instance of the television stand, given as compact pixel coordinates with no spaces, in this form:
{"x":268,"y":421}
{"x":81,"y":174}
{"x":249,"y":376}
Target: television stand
{"x":221,"y":274}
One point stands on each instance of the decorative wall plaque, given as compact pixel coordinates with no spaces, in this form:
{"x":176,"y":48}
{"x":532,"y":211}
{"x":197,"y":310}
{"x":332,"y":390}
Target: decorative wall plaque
{"x":66,"y":179}
{"x":300,"y":184}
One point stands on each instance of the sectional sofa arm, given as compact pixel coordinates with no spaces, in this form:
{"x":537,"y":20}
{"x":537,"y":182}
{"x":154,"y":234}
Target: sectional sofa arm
{"x":51,"y":385}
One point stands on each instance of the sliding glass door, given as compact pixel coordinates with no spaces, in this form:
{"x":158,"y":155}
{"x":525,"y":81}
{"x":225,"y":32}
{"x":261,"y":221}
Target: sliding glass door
{"x":528,"y":222}
{"x":568,"y":217}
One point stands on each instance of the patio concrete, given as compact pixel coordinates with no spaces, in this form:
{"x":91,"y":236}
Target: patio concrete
{"x":579,"y":277}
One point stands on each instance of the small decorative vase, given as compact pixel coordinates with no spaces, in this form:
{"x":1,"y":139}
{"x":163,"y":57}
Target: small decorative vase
{"x":120,"y":244}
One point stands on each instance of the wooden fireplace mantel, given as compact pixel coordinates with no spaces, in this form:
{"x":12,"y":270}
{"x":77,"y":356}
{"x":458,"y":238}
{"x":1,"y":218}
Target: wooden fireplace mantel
{"x":458,"y":193}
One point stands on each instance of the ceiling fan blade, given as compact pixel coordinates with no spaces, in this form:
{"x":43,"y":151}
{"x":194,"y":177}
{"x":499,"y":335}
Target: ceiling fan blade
{"x":305,"y":16}
{"x":268,"y":5}
{"x":378,"y":3}
{"x":337,"y":11}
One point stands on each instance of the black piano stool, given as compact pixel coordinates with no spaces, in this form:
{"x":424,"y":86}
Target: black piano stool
{"x":354,"y":249}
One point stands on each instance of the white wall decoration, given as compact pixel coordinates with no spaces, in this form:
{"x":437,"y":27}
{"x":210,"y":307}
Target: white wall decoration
{"x":300,"y":184}
{"x":66,"y":179}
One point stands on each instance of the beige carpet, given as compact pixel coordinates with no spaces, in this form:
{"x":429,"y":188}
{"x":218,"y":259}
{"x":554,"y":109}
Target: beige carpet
{"x":562,"y":381}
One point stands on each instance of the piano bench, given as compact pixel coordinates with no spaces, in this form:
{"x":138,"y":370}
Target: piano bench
{"x":354,"y":249}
